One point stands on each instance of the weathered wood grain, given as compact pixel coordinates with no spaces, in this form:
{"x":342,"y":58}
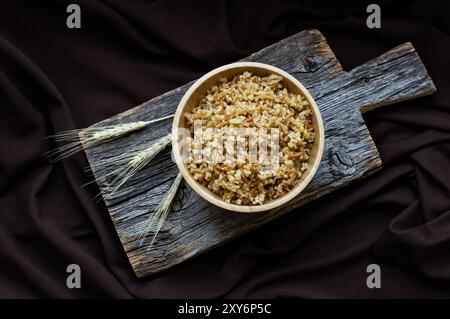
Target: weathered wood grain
{"x":196,"y":226}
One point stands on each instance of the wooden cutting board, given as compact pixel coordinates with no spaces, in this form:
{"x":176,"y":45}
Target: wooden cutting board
{"x":194,"y":226}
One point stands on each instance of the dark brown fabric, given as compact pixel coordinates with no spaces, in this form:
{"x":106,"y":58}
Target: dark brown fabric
{"x":53,"y":79}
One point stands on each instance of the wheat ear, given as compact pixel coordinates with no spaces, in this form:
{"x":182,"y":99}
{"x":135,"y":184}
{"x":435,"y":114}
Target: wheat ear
{"x":131,"y":163}
{"x":86,"y":138}
{"x":159,"y":216}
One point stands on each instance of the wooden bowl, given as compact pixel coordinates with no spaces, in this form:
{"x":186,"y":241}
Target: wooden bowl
{"x":193,"y":96}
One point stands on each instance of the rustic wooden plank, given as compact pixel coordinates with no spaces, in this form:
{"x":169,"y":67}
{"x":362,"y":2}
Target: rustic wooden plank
{"x":195,"y":226}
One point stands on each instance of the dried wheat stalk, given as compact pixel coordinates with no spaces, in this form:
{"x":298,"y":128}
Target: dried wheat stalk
{"x":93,"y":136}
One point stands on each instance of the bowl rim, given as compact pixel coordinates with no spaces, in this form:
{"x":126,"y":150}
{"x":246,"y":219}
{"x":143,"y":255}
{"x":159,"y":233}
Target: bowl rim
{"x":207,"y":194}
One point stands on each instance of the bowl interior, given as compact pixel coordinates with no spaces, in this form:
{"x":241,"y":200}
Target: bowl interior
{"x":193,"y":97}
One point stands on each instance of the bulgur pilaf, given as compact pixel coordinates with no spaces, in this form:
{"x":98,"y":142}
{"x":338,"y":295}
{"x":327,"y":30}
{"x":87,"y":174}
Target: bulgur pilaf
{"x":250,"y":101}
